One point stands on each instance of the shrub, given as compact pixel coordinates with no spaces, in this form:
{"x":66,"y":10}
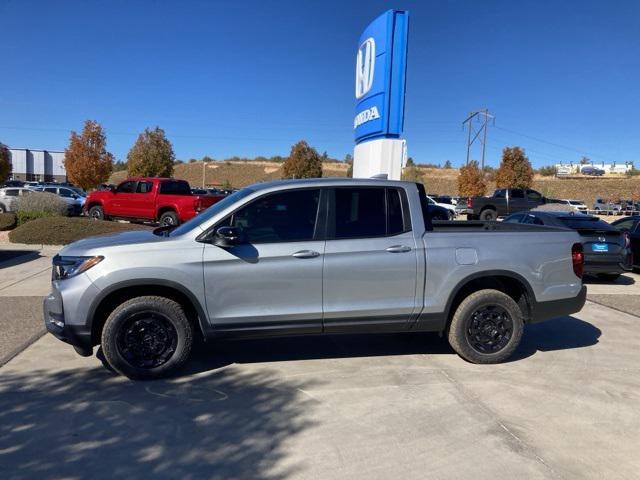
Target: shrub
{"x":39,"y":205}
{"x":7,"y":221}
{"x":63,"y":230}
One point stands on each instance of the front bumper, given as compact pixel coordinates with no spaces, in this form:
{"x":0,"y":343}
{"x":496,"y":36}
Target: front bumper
{"x":542,"y":311}
{"x":66,"y":314}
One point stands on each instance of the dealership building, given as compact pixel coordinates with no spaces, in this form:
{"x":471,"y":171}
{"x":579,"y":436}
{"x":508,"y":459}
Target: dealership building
{"x":37,"y":165}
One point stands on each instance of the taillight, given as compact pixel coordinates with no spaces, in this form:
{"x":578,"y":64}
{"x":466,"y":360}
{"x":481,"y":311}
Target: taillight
{"x":577,"y":258}
{"x":469,"y":203}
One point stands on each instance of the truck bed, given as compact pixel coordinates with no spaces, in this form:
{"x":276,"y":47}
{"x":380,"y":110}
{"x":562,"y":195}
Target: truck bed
{"x":478,"y":226}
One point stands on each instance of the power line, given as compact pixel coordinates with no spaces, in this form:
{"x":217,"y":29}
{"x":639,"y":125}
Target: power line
{"x":481,"y":131}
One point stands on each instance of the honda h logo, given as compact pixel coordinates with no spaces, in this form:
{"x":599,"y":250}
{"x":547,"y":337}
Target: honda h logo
{"x":365,"y":66}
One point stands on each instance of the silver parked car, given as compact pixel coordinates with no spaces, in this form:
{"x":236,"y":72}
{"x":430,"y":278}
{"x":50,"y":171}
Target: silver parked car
{"x":606,"y":206}
{"x":311,"y":257}
{"x":73,"y":196}
{"x":9,"y":196}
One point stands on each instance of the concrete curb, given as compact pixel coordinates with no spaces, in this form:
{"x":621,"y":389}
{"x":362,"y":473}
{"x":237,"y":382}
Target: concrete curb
{"x":22,"y":347}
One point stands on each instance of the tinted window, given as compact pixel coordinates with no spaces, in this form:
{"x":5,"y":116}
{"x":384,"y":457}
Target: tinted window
{"x":625,"y":225}
{"x":127,"y":187}
{"x":65,"y":192}
{"x":532,"y":220}
{"x":175,"y":188}
{"x":11,"y":193}
{"x":517,"y":193}
{"x":279,"y":217}
{"x":51,"y":190}
{"x":394,"y":207}
{"x":144,"y":187}
{"x":534,"y":196}
{"x":360,"y":212}
{"x":500,"y":194}
{"x":517,"y":218}
{"x":589,"y":223}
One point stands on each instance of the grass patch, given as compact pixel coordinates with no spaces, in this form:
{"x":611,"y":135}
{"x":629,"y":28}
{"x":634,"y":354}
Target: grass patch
{"x":63,"y":230}
{"x":7,"y":221}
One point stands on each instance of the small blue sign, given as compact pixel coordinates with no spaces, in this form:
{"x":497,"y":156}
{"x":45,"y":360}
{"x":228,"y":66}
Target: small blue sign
{"x":600,"y":247}
{"x":381,"y":67}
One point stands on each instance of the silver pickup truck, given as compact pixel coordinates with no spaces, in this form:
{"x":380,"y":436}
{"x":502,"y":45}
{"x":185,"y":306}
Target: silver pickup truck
{"x":308,"y":257}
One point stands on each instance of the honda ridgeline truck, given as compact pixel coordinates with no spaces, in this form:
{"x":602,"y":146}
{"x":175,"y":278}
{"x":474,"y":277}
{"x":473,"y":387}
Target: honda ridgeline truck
{"x":308,"y":257}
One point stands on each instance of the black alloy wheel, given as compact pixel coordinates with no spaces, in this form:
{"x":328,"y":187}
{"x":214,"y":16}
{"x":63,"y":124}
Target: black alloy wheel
{"x":489,"y":329}
{"x":147,"y":339}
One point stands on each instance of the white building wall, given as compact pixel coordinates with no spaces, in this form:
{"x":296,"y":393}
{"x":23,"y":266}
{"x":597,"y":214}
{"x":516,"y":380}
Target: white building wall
{"x":58,"y":163}
{"x":38,"y":163}
{"x":18,"y":160}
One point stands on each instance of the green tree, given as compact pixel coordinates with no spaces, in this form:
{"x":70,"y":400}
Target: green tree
{"x":5,"y":163}
{"x":348,"y":158}
{"x":471,"y":180}
{"x":548,"y":171}
{"x":585,"y":161}
{"x":447,"y":164}
{"x":410,"y":162}
{"x":515,"y":169}
{"x":86,"y":159}
{"x":151,"y":155}
{"x":303,"y":162}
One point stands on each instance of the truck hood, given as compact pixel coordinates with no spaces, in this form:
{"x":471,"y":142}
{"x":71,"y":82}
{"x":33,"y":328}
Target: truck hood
{"x":110,"y":240}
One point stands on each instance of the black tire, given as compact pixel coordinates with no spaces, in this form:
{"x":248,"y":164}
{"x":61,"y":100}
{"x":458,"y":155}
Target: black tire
{"x":486,"y":327}
{"x":96,"y":213}
{"x":169,"y":219}
{"x":452,"y":216}
{"x":609,"y":277}
{"x":488,"y":215}
{"x":147,"y":337}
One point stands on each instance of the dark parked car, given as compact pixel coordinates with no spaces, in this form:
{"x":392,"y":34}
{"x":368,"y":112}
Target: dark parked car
{"x":12,"y":184}
{"x":437,"y":212}
{"x":592,"y":171}
{"x":631,"y":226}
{"x":607,"y":250}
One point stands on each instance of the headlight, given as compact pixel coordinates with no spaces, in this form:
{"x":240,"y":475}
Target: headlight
{"x":67,"y":267}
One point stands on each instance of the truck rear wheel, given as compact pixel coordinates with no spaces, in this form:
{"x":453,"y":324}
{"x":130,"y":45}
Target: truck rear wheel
{"x":486,"y":327}
{"x":147,"y":337}
{"x":488,"y":215}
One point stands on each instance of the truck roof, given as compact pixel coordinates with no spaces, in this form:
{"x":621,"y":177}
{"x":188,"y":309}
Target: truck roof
{"x":328,"y":182}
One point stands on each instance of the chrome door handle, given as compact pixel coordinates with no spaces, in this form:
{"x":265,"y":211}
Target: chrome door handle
{"x":305,"y":254}
{"x":398,"y":249}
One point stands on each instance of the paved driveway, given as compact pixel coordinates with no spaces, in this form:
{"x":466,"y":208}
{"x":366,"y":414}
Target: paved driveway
{"x":370,"y":407}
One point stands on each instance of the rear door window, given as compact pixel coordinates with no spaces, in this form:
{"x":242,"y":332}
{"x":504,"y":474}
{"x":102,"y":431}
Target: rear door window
{"x":175,"y":188}
{"x":51,"y":190}
{"x":517,"y":193}
{"x":11,"y":192}
{"x":144,"y":187}
{"x":360,"y":213}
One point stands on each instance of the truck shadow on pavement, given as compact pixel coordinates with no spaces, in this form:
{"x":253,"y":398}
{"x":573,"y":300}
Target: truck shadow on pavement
{"x":91,"y":424}
{"x":558,"y":334}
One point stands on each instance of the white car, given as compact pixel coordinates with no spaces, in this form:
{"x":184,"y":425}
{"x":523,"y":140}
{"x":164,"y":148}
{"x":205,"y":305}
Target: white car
{"x":576,"y":205}
{"x":451,"y":208}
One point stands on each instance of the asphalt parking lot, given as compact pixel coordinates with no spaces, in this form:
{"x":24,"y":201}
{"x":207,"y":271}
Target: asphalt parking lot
{"x":379,"y":406}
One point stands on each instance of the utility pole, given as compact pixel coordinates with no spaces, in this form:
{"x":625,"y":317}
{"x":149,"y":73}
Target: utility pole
{"x":477,"y":132}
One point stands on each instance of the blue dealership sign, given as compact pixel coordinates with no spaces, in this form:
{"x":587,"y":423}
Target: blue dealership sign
{"x":381,"y":66}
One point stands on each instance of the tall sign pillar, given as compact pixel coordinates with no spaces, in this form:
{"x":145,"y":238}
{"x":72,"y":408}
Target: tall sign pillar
{"x":381,"y":66}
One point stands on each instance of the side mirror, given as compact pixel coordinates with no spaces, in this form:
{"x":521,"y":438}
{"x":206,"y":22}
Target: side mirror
{"x":226,"y":237}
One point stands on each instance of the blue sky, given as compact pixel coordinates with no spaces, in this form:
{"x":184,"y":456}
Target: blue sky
{"x":250,"y":78}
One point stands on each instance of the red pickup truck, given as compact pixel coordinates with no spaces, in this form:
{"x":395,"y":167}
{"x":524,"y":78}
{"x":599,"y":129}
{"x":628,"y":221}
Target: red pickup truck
{"x":165,"y":200}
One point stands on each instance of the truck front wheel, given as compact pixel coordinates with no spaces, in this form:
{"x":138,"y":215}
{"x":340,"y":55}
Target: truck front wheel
{"x":147,"y":337}
{"x":169,"y":219}
{"x":96,"y":213}
{"x":486,"y":327}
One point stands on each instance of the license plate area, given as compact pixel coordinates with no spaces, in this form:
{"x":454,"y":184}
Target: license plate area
{"x":600,"y":247}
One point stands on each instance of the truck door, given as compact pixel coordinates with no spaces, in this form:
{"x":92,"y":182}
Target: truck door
{"x":370,"y":264}
{"x":118,"y":204}
{"x":273,"y":280}
{"x":144,"y":200}
{"x":517,"y":201}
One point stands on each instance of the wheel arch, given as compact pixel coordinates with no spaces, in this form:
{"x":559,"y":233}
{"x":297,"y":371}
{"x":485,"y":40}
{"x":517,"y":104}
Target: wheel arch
{"x":118,"y":293}
{"x":167,"y":208}
{"x":511,"y":283}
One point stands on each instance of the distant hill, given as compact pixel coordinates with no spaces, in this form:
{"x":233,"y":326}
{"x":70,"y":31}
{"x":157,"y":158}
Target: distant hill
{"x":436,"y":180}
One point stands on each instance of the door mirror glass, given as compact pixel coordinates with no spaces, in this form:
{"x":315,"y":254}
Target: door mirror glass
{"x":226,"y":237}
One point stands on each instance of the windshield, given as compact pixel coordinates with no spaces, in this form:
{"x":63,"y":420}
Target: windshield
{"x":210,"y":212}
{"x":588,"y":223}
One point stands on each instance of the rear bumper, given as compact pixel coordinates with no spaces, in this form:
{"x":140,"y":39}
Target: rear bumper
{"x":542,"y":311}
{"x":607,"y":263}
